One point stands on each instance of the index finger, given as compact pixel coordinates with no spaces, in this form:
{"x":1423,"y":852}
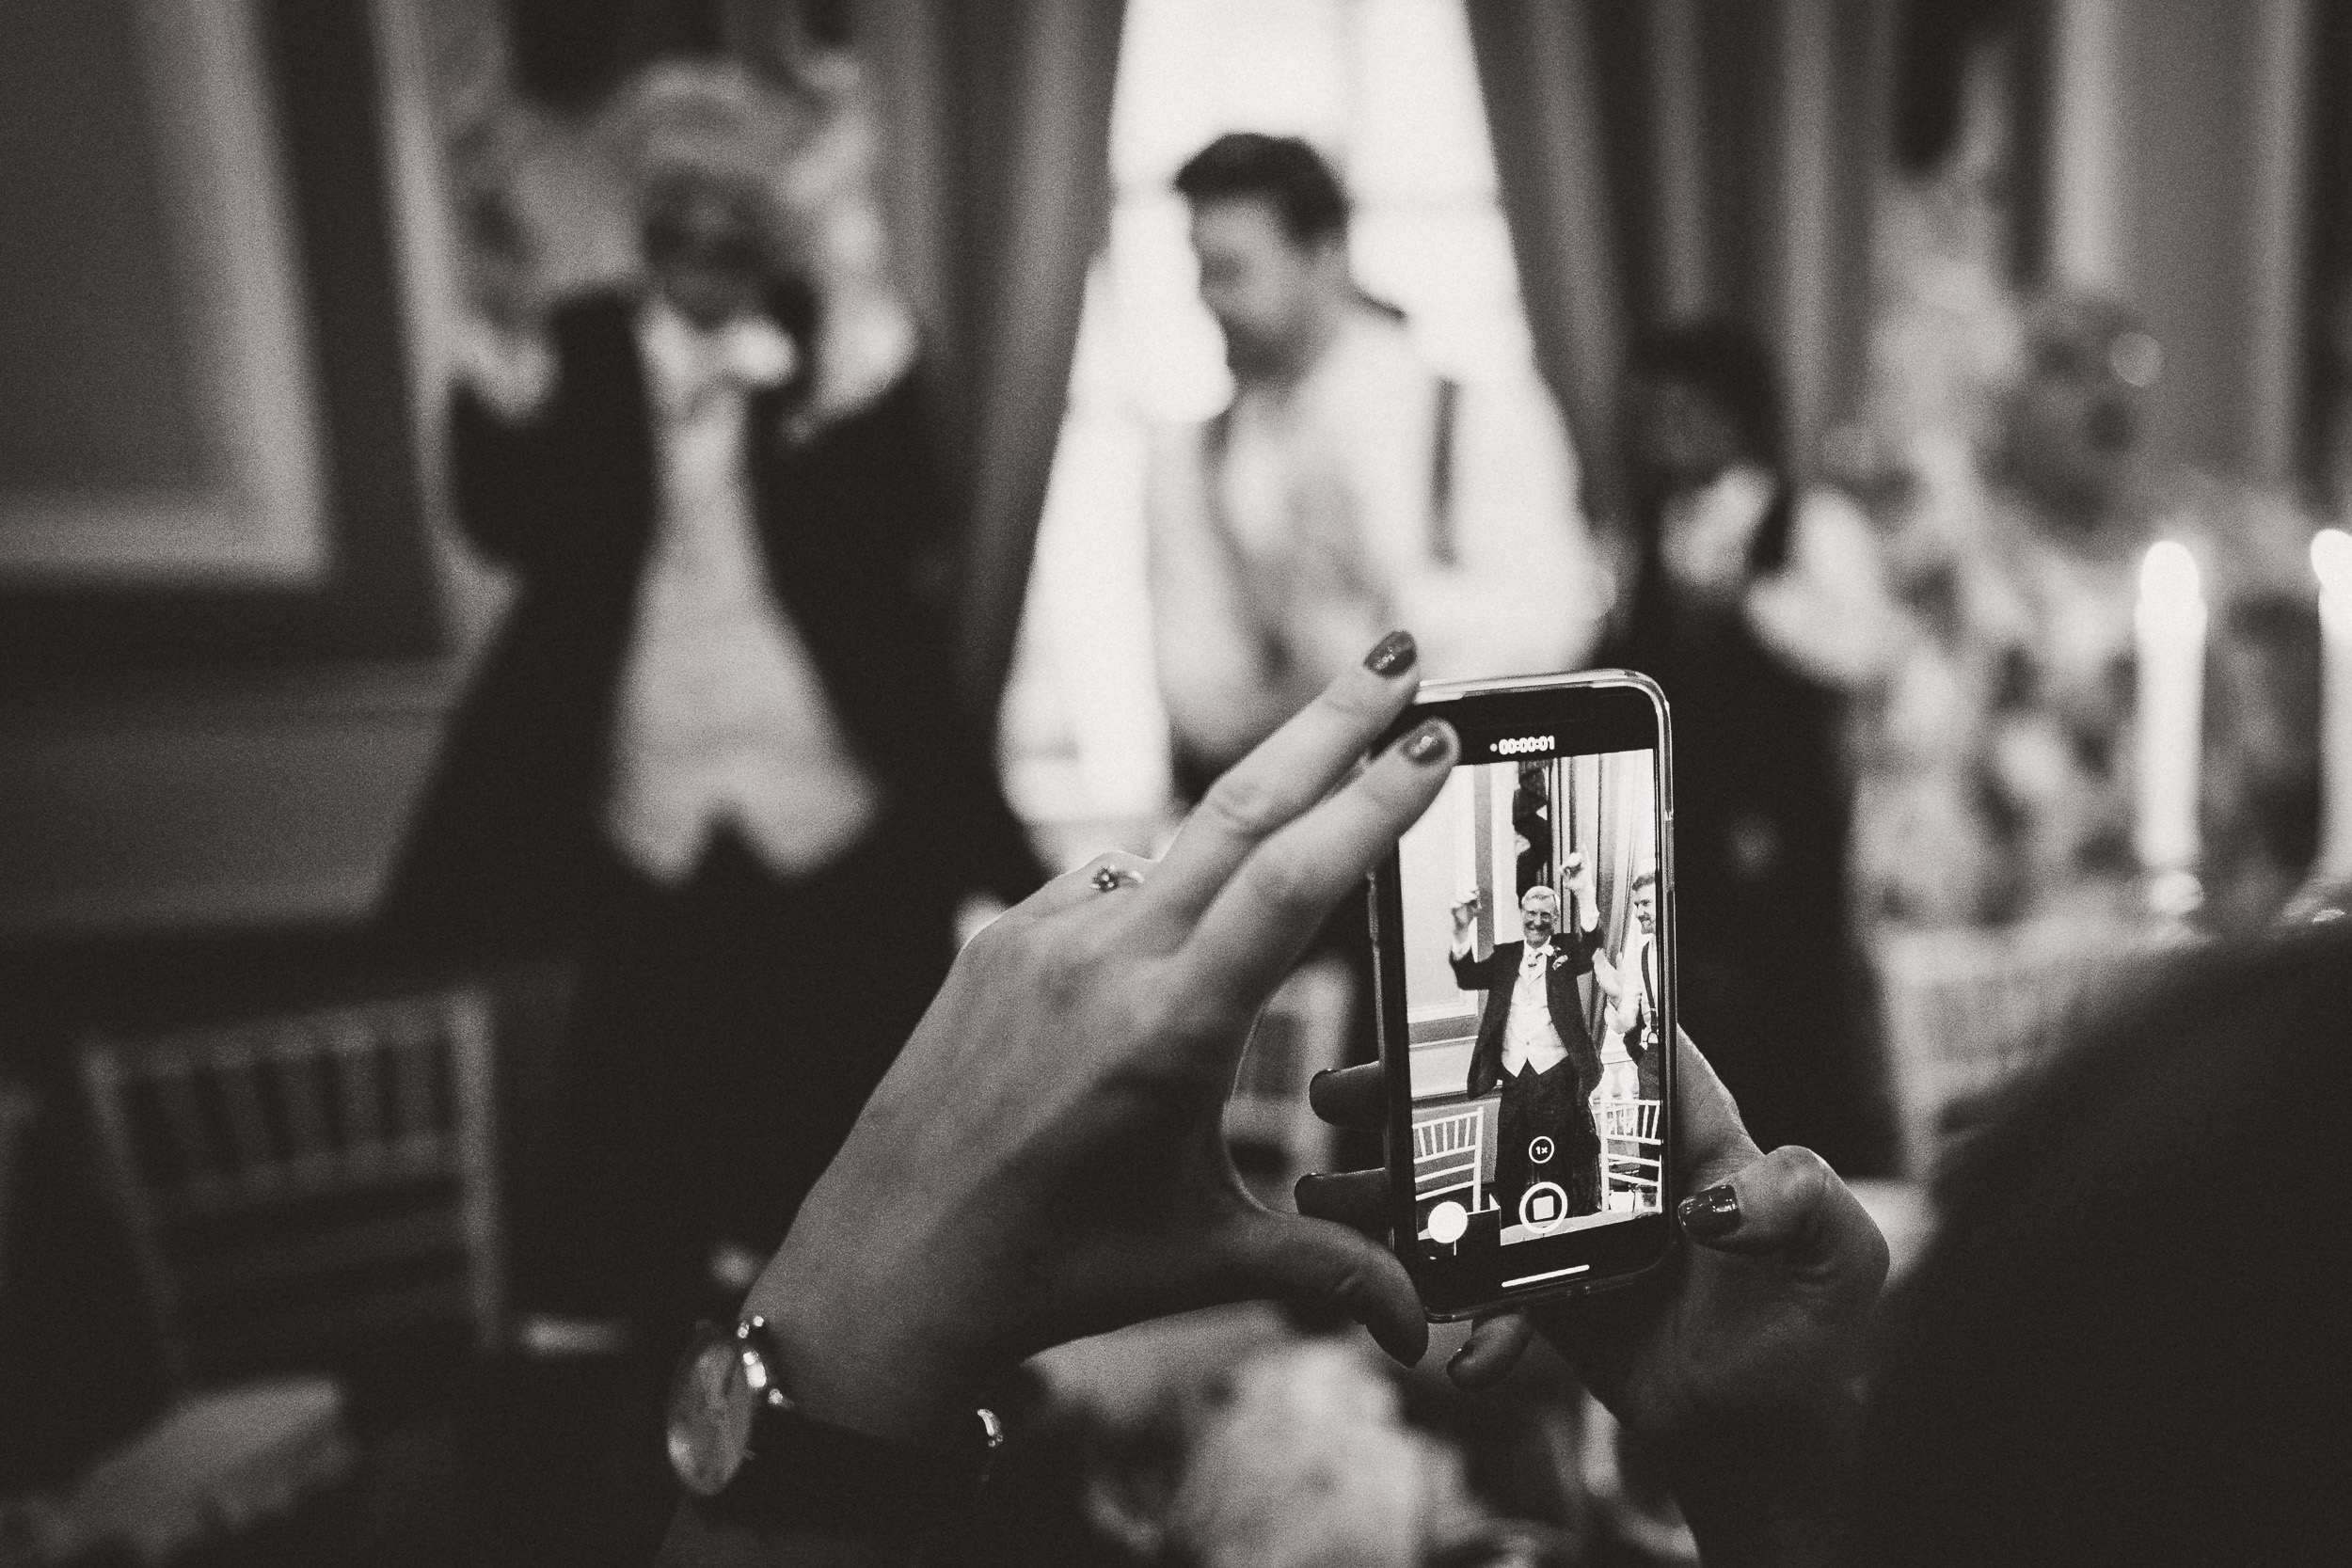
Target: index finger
{"x":1278,"y":783}
{"x":1257,"y":927}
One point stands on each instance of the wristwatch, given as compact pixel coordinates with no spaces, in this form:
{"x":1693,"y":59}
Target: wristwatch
{"x":738,"y":1443}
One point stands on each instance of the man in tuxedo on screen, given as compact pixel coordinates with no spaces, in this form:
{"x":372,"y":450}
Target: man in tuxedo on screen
{"x":1533,"y":1043}
{"x":1633,"y":990}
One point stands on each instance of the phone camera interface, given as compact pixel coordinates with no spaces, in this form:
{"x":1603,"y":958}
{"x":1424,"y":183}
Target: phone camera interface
{"x":1532,"y":998}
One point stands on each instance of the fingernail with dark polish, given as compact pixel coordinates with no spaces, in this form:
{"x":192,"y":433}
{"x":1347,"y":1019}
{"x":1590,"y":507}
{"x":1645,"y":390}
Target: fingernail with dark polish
{"x":1710,"y":1213}
{"x":1426,"y":744}
{"x":1393,"y":654}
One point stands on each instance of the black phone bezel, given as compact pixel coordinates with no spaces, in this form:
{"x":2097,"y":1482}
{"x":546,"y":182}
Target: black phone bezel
{"x":1597,"y":711}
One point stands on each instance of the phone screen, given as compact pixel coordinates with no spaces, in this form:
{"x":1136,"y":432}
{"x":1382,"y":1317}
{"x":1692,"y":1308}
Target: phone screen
{"x":1534,"y":948}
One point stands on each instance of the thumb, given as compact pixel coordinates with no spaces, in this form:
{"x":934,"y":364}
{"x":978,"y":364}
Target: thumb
{"x":1270,"y":1256}
{"x":1790,"y":1204}
{"x":1493,"y":1348}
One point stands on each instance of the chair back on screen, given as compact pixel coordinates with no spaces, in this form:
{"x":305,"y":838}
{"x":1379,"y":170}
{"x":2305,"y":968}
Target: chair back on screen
{"x":1633,"y":1154}
{"x":300,"y":1187}
{"x":1449,"y":1155}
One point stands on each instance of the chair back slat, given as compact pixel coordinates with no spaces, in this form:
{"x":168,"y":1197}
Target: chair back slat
{"x":413,"y":1117}
{"x":195,"y":1148}
{"x":473,"y":1101}
{"x":16,"y":1115}
{"x":357,"y":1061}
{"x":105,"y":1086}
{"x":302,"y":1071}
{"x":337,"y":1166}
{"x":238,"y":1074}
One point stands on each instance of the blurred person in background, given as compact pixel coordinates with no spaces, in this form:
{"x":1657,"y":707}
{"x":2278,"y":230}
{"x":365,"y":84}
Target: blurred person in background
{"x":1997,"y":757}
{"x":712,"y":753}
{"x":2109,"y":1353}
{"x":1347,"y":487}
{"x":1756,"y":606}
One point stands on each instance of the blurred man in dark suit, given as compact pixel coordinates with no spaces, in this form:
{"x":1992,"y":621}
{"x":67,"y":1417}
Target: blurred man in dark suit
{"x":714,"y":750}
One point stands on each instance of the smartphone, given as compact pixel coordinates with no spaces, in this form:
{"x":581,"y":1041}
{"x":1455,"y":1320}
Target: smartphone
{"x":1524,"y":982}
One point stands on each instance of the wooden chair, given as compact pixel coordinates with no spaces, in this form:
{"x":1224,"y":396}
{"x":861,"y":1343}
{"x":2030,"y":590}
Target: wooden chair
{"x":1268,"y":1122}
{"x":1968,"y":1010}
{"x":298,"y":1188}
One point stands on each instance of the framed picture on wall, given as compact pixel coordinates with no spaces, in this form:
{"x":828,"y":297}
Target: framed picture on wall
{"x":208,"y":449}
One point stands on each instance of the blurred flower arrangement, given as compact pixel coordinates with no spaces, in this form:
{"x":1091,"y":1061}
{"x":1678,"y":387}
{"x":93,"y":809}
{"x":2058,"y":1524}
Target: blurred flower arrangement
{"x":1999,"y":457}
{"x":1228,"y":1438}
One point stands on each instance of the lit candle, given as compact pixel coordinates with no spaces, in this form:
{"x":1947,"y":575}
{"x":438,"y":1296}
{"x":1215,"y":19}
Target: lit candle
{"x":2331,"y":559}
{"x":2169,"y":629}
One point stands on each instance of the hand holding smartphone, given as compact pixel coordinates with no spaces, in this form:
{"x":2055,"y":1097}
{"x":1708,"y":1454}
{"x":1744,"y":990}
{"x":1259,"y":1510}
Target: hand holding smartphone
{"x":1523,"y":942}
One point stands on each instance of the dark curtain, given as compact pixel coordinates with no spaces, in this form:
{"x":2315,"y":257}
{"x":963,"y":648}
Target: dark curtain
{"x":1684,"y":158}
{"x":995,"y":180}
{"x":996,"y":124}
{"x":2327,"y":198}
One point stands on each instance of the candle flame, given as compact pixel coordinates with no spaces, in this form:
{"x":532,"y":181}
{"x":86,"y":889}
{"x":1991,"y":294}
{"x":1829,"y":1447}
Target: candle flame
{"x":2168,"y":577}
{"x":2331,"y":559}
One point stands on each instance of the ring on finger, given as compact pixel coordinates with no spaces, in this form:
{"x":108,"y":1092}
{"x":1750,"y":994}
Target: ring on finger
{"x":1111,"y":879}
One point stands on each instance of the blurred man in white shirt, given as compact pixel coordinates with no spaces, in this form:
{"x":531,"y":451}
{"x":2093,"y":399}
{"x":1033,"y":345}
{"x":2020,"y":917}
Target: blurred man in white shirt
{"x":1348,"y":487}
